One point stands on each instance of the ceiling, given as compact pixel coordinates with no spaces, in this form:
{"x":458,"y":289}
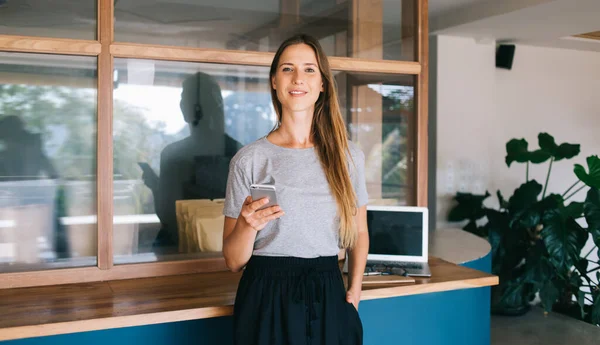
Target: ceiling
{"x":549,"y":23}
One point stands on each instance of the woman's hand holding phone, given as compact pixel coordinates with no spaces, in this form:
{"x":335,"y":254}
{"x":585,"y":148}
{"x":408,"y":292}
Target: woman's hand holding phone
{"x":256,"y":217}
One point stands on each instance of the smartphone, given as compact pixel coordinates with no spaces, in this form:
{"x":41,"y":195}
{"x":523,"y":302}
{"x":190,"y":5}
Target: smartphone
{"x":259,"y":191}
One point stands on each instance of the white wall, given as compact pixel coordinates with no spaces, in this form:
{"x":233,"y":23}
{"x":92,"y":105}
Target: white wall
{"x":465,"y":119}
{"x":480,"y":108}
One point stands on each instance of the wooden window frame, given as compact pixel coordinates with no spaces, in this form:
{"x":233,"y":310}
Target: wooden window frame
{"x":107,"y":50}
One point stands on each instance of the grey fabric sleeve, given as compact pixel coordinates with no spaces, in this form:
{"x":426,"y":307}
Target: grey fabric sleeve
{"x":238,"y":187}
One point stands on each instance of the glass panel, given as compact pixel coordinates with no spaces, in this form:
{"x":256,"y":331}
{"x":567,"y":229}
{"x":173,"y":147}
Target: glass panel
{"x":47,"y":161}
{"x":380,"y":29}
{"x":381,"y":115}
{"x":176,"y":126}
{"x":57,"y":18}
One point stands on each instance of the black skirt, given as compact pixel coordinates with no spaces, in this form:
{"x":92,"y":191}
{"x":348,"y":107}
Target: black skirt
{"x":294,"y":301}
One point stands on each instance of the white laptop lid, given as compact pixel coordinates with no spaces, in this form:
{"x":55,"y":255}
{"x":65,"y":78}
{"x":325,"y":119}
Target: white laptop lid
{"x":398,"y":233}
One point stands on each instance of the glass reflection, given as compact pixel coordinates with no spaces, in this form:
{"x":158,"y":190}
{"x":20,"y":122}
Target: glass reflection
{"x":381,"y":116}
{"x":196,"y":166}
{"x":372,"y":29}
{"x":171,"y":171}
{"x":177,"y":125}
{"x":47,"y":162}
{"x":57,"y":18}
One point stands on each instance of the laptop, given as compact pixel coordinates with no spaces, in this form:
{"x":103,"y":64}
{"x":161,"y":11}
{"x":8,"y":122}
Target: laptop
{"x":399,"y":241}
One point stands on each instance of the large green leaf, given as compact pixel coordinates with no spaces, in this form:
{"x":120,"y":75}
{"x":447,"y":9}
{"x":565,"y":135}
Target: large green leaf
{"x":516,"y":151}
{"x":593,"y":178}
{"x":581,"y":302}
{"x":558,"y":152}
{"x":564,"y":239}
{"x":581,"y":234}
{"x":514,"y":246}
{"x":538,"y":156}
{"x":497,"y":220}
{"x":502,"y":202}
{"x":575,"y":280}
{"x":470,"y":206}
{"x":581,"y":265}
{"x":474,"y":229}
{"x":495,"y":241}
{"x":574,"y":209}
{"x":525,"y":196}
{"x":548,"y":294}
{"x":531,"y":217}
{"x":538,"y":269}
{"x":591,"y":210}
{"x":496,"y":228}
{"x":527,"y":219}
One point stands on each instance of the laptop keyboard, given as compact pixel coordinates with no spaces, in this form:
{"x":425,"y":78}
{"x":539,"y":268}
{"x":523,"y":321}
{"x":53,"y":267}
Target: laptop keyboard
{"x":382,"y":266}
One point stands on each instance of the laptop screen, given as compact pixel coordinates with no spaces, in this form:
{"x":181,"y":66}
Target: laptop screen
{"x":395,"y":232}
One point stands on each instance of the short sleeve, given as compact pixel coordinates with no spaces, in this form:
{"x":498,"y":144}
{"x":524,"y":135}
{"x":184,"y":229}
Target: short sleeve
{"x":238,"y":188}
{"x":357,"y":174}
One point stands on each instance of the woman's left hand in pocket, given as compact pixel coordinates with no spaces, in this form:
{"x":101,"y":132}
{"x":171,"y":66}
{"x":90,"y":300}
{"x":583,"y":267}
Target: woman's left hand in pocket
{"x":353,"y":296}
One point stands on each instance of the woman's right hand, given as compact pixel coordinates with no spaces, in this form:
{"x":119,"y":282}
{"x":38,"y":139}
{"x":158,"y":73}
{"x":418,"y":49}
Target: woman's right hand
{"x":258,"y":219}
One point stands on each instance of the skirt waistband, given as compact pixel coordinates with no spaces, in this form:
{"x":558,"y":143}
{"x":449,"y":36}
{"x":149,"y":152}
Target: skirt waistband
{"x":292,"y":264}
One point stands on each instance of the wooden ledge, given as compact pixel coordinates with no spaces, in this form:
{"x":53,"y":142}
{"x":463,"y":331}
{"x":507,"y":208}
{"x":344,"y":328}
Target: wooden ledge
{"x":51,"y":310}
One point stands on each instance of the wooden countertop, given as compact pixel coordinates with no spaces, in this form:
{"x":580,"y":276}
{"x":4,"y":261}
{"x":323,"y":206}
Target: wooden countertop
{"x":50,"y":310}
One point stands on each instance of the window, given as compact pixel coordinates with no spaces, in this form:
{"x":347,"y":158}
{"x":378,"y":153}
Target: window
{"x":107,"y":118}
{"x":47,"y":161}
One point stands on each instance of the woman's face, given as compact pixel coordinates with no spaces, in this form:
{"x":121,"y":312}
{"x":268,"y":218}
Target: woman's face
{"x":297,"y":79}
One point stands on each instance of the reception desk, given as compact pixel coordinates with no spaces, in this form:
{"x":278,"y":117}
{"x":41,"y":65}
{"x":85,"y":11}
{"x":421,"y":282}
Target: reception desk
{"x":451,"y":307}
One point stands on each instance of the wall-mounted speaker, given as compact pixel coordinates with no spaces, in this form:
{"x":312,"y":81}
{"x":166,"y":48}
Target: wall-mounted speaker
{"x":505,"y":54}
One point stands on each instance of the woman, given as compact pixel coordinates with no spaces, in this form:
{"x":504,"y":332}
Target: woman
{"x":292,"y":291}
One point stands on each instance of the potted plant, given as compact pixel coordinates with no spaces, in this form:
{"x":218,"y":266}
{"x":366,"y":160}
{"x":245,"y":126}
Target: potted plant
{"x":535,"y":237}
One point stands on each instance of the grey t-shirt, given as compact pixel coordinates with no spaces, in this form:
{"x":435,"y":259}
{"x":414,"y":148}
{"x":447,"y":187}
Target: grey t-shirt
{"x":310,"y":226}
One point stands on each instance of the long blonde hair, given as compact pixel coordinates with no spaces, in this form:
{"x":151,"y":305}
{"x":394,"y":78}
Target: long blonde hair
{"x":328,"y":132}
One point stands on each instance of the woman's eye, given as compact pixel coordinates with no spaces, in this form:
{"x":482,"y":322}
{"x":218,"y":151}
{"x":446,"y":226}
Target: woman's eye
{"x":286,"y":69}
{"x":310,"y":70}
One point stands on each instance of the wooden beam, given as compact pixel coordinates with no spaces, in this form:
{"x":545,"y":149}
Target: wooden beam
{"x":409,"y":28}
{"x":213,"y":263}
{"x":367,"y":29}
{"x":374,"y":66}
{"x":104,"y":166}
{"x":289,"y":13}
{"x":233,"y":57}
{"x":422,"y":102}
{"x":590,"y":35}
{"x":367,"y":105}
{"x":48,"y":45}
